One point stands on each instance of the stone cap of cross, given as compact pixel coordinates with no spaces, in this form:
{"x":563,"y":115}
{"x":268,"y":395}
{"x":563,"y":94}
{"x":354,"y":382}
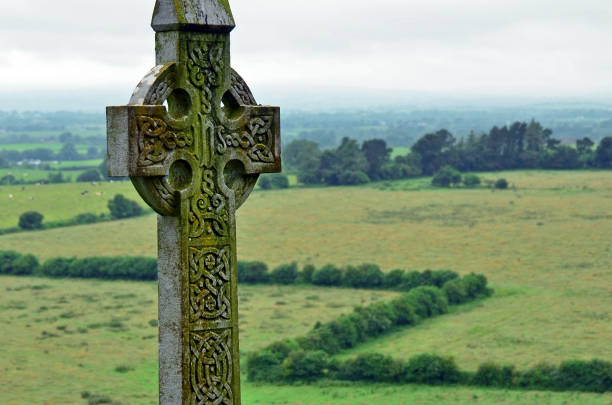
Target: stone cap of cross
{"x":193,"y":15}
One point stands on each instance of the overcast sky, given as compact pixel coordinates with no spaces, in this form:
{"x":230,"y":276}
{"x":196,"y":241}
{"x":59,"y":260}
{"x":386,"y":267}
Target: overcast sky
{"x":95,"y":51}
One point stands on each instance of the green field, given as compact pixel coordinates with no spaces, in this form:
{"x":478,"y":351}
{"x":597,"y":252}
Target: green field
{"x":59,"y":201}
{"x":77,"y":163}
{"x":545,"y":245}
{"x":55,"y":330}
{"x":54,"y":146}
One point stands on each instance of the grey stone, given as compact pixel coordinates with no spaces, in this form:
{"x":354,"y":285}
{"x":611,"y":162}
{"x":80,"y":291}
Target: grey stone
{"x":195,"y":163}
{"x":193,"y":15}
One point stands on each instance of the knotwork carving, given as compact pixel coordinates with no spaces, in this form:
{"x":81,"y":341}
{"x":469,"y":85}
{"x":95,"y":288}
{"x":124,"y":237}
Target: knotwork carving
{"x":254,"y":141}
{"x":241,"y":90}
{"x":209,"y":278}
{"x":156,"y":139}
{"x":208,"y":214}
{"x":211,"y":368}
{"x":205,"y":66}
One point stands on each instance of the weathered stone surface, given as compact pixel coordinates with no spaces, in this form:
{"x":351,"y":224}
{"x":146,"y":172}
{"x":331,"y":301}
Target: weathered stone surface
{"x":195,"y":162}
{"x":193,"y":15}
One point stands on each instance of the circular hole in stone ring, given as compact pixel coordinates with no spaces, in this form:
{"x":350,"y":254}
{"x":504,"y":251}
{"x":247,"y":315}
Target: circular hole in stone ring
{"x":178,"y":104}
{"x":181,"y":174}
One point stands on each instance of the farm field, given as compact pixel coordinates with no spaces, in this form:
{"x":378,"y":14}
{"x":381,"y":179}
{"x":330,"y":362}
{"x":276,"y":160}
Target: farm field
{"x":59,"y":201}
{"x":54,"y":330}
{"x":545,"y":245}
{"x":54,"y":146}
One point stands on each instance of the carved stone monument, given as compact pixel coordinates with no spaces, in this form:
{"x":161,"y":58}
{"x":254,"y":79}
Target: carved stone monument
{"x":194,"y":141}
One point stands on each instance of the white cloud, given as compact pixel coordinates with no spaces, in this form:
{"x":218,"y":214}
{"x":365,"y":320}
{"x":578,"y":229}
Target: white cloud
{"x":470,"y":47}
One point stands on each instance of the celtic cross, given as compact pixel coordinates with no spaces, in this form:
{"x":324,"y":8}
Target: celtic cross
{"x":194,"y":141}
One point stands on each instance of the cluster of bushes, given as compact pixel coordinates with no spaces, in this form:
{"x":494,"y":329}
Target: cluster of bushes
{"x":308,"y":357}
{"x":575,"y":375}
{"x":273,"y":181}
{"x":448,"y":176}
{"x":368,"y":276}
{"x":124,"y":268}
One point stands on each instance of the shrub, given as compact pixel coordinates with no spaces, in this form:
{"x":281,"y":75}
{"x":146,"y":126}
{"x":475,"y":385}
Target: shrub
{"x":25,"y":265}
{"x":304,"y":366}
{"x":501,"y":184}
{"x":253,"y":272}
{"x":273,"y":181}
{"x":86,"y":218}
{"x":58,"y":267}
{"x":120,"y":207}
{"x":393,"y":279}
{"x":353,"y":177}
{"x":590,"y":376}
{"x":455,"y":291}
{"x":30,"y":220}
{"x":371,"y":367}
{"x":306,"y":273}
{"x":329,"y":275}
{"x":89,"y":175}
{"x":471,"y":180}
{"x":432,"y":369}
{"x":493,"y":375}
{"x":439,"y":278}
{"x":446,"y":176}
{"x":285,"y":274}
{"x":7,"y":258}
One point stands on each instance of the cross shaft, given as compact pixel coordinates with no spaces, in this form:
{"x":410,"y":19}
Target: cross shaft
{"x":195,"y":162}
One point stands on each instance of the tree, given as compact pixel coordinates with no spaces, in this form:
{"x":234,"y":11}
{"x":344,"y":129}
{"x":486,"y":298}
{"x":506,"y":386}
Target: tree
{"x":471,"y":180}
{"x":68,"y":152}
{"x":584,"y":146}
{"x":93,"y":152}
{"x":31,"y":220}
{"x":603,"y":154}
{"x":501,"y":184}
{"x":377,"y":154}
{"x":65,"y":137}
{"x":304,"y":157}
{"x":446,"y":176}
{"x":120,"y":207}
{"x":285,"y":274}
{"x":431,"y":148}
{"x":273,"y":181}
{"x":89,"y":175}
{"x":343,"y":164}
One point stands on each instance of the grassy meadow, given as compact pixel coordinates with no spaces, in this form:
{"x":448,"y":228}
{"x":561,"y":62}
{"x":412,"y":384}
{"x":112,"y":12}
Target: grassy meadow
{"x":59,"y":201}
{"x":105,"y":333}
{"x":545,"y":245}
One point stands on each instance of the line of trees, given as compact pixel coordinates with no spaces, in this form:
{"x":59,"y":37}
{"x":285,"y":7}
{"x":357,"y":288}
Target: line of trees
{"x":573,"y":375}
{"x":364,"y":276}
{"x":521,"y":145}
{"x":308,"y":357}
{"x":68,"y":152}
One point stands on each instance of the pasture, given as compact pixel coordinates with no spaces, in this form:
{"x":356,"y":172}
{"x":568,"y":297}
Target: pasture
{"x":63,"y":337}
{"x":545,"y":245}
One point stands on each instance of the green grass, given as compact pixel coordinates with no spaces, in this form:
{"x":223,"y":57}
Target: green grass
{"x":94,"y":163}
{"x":399,"y":151}
{"x":412,"y":394}
{"x":54,"y":146}
{"x":29,"y":175}
{"x":545,"y":246}
{"x":59,"y":201}
{"x":57,"y":330}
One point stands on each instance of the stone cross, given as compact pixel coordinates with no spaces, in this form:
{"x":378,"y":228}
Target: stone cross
{"x":194,"y":141}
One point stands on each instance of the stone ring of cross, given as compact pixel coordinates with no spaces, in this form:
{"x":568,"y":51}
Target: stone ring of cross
{"x":165,"y":135}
